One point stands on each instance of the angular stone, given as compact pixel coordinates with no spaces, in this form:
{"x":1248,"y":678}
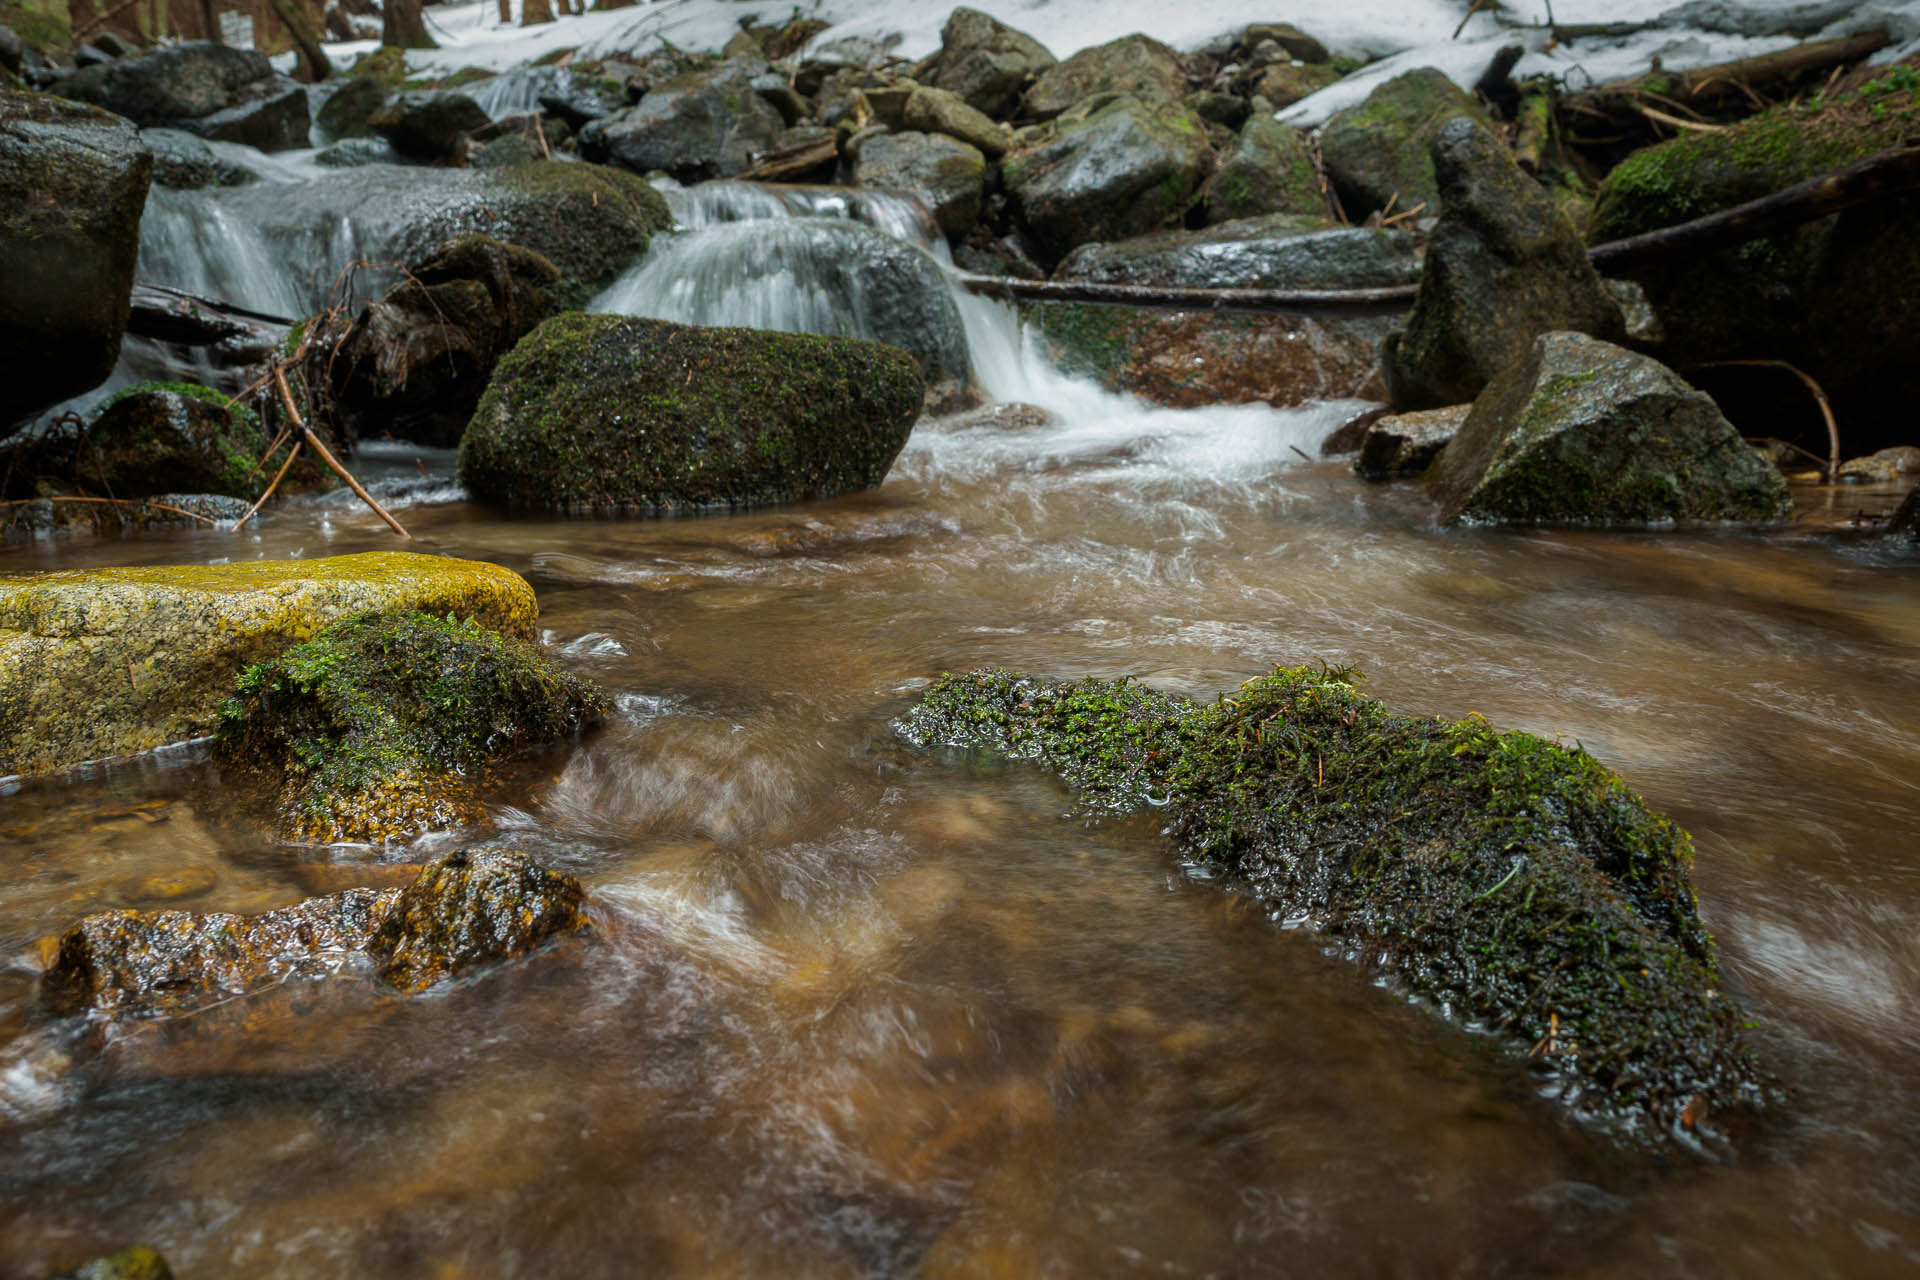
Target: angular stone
{"x":700,"y":125}
{"x":984,"y":61}
{"x":1405,"y":444}
{"x":1278,"y":251}
{"x":1381,"y":150}
{"x":938,"y":111}
{"x":1268,"y":171}
{"x":1137,"y":65}
{"x":1581,"y":432}
{"x":270,"y":114}
{"x":945,"y":174}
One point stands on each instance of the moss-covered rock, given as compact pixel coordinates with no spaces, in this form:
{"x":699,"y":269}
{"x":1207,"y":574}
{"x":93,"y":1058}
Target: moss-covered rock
{"x":1136,"y":65}
{"x":470,"y":908}
{"x":1504,"y":266}
{"x":932,"y":110}
{"x":1285,"y":83}
{"x":1381,"y":150}
{"x":1116,"y":167}
{"x":597,"y":413}
{"x":100,"y":662}
{"x":350,"y":106}
{"x":73,"y":183}
{"x":1515,"y":883}
{"x":1268,"y":171}
{"x":984,"y":61}
{"x":1584,"y":432}
{"x":382,"y":725}
{"x":172,"y":438}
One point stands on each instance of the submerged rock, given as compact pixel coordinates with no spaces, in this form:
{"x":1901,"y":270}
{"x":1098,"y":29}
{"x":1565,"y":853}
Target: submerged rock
{"x":1380,"y":152}
{"x":615,"y":413}
{"x":1584,"y":432}
{"x":468,"y":909}
{"x":1136,"y":65}
{"x":985,"y":61}
{"x":1406,"y":444}
{"x":1504,"y":266}
{"x":1515,"y":883}
{"x":382,"y":725}
{"x":73,"y":183}
{"x":100,"y":662}
{"x":699,"y":125}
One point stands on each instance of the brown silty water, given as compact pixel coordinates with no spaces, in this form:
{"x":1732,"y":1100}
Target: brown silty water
{"x":850,"y":1010}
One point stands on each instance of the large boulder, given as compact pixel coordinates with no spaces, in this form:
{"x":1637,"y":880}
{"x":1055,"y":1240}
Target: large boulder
{"x":1380,"y":152}
{"x":103,"y":662}
{"x":945,"y":174}
{"x":428,"y":126}
{"x":596,"y":413}
{"x":1504,"y":266}
{"x":1117,"y":169}
{"x":155,"y":438}
{"x":1268,"y":171}
{"x":179,"y":82}
{"x":73,"y":182}
{"x":1137,"y":65}
{"x":383,"y":725}
{"x":416,"y":361}
{"x":1838,"y":297}
{"x":1279,"y":251}
{"x":698,"y":125}
{"x":1582,"y":432}
{"x":985,"y":61}
{"x":1515,"y":884}
{"x":470,"y":908}
{"x":271,"y":114}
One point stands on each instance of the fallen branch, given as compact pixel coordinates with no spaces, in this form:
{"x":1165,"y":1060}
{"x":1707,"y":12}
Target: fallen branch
{"x":793,"y":162}
{"x":1707,"y":86}
{"x":1289,"y":301}
{"x":326,"y":455}
{"x":117,"y":502}
{"x":261,"y":501}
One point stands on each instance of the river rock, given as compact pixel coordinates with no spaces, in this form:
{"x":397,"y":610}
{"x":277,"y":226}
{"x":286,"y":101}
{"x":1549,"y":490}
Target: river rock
{"x":179,"y":82}
{"x":470,"y":908}
{"x":353,"y":153}
{"x":184,"y":162}
{"x":270,"y":114}
{"x":595,"y":413}
{"x":985,"y":61}
{"x":73,"y":183}
{"x":943,"y":173}
{"x":428,"y":126}
{"x":171,"y":438}
{"x":1406,"y":444}
{"x":1504,"y":266}
{"x":1268,"y":171}
{"x":101,"y":662}
{"x":1582,"y":432}
{"x":416,"y":361}
{"x":1381,"y":150}
{"x":1278,"y":251}
{"x":1886,"y":466}
{"x":1284,"y":83}
{"x":1117,"y":169}
{"x":699,"y":125}
{"x":1838,"y":297}
{"x":938,"y":111}
{"x":1294,"y":42}
{"x":1450,"y":854}
{"x":1136,"y":65}
{"x":1906,"y":520}
{"x":382,"y":725}
{"x":347,"y":111}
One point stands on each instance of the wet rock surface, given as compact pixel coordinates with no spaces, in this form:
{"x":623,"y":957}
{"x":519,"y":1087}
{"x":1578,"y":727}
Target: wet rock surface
{"x":1406,"y":444}
{"x":1517,"y":883}
{"x":99,"y":662}
{"x":1278,"y":251}
{"x":184,"y":162}
{"x":1584,"y":432}
{"x":1380,"y":151}
{"x":700,"y":125}
{"x":609,"y":412}
{"x":947,"y":175}
{"x":469,"y":909}
{"x":985,"y":62}
{"x":1268,"y":171}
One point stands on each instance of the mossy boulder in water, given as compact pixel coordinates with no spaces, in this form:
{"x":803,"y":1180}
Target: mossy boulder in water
{"x":470,"y":908}
{"x":73,"y":183}
{"x":1503,"y":267}
{"x":1584,"y":432}
{"x":101,"y":662}
{"x":172,"y":438}
{"x":1379,"y":152}
{"x":1516,"y":883}
{"x":611,"y":413}
{"x":382,"y":725}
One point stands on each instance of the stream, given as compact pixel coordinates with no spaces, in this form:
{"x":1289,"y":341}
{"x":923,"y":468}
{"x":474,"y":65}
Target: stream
{"x":850,"y":1010}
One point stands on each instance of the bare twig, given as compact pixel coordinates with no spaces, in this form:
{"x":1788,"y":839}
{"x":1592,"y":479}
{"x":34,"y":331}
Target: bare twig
{"x":1677,"y":123}
{"x":262,"y":499}
{"x":326,"y":455}
{"x":117,"y":502}
{"x":1819,"y":398}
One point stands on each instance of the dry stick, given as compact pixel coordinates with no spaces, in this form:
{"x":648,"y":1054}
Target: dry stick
{"x":293,"y":410}
{"x":262,"y":499}
{"x":1676,"y":122}
{"x":118,"y":502}
{"x":271,"y":450}
{"x":1819,"y":398}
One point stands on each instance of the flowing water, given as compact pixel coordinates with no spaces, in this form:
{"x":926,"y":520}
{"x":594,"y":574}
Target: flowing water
{"x":848,"y":1010}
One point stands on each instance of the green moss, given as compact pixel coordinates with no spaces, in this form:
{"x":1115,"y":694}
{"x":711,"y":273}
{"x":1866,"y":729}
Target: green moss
{"x":378,"y":724}
{"x":1513,"y":881}
{"x":243,"y":417}
{"x":385,"y":64}
{"x":1086,"y":338}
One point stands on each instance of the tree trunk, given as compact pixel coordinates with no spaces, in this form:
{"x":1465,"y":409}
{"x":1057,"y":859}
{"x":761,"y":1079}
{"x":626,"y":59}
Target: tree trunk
{"x":534,"y":12}
{"x":506,"y":12}
{"x":314,"y":64}
{"x":402,"y":26}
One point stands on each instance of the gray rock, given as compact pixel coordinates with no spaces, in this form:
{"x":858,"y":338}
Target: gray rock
{"x":428,"y":126}
{"x":1405,"y":444}
{"x":1294,"y":42}
{"x":1268,"y":171}
{"x":1136,"y":65}
{"x":181,"y":82}
{"x":1380,"y":151}
{"x":1120,"y":168}
{"x":73,"y":183}
{"x":186,"y":163}
{"x":1581,"y":432}
{"x":349,"y":106}
{"x":985,"y":61}
{"x":700,"y":125}
{"x":580,"y":102}
{"x":354,"y":152}
{"x":1281,"y":84}
{"x":774,"y":90}
{"x":1279,"y":251}
{"x":938,"y":111}
{"x":1503,"y":266}
{"x":270,"y":114}
{"x":1214,"y":107}
{"x":945,"y":174}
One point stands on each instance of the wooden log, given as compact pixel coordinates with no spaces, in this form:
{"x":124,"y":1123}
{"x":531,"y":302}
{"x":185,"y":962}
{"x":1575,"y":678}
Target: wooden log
{"x":1284,"y":301}
{"x":1706,"y":87}
{"x":794,"y":162}
{"x":168,"y":315}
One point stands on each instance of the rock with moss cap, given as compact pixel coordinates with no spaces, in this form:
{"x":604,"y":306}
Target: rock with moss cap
{"x":1515,"y":883}
{"x":73,"y":183}
{"x":170,"y":438}
{"x":1583,"y":432}
{"x":104,"y":662}
{"x":470,"y":908}
{"x":1268,"y":171}
{"x":612,"y":413}
{"x":985,"y":61}
{"x":382,"y":725}
{"x":1116,"y":167}
{"x":1137,"y":65}
{"x":1504,"y":266}
{"x":1381,"y":150}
